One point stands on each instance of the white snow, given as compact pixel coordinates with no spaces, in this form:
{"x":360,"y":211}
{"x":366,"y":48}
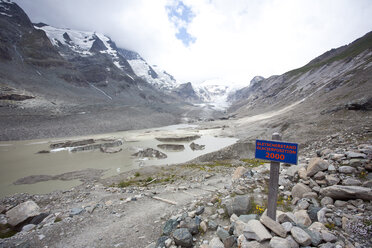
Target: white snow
{"x":101,"y":91}
{"x":142,"y":69}
{"x":2,"y":13}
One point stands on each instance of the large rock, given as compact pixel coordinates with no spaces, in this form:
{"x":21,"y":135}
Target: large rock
{"x":339,"y":192}
{"x":238,"y":205}
{"x":300,"y":236}
{"x":150,"y":153}
{"x":273,"y":226}
{"x":255,"y":230}
{"x":216,"y":243}
{"x":277,"y":242}
{"x":302,"y":218}
{"x":346,"y":169}
{"x":299,"y":190}
{"x":316,"y":165}
{"x":182,"y":237}
{"x":22,"y":212}
{"x":355,"y":155}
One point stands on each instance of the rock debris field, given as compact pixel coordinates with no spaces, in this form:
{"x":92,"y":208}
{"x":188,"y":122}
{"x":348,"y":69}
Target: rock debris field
{"x":325,"y":201}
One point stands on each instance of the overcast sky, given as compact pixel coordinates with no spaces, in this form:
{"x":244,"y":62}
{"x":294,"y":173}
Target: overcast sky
{"x":232,"y":40}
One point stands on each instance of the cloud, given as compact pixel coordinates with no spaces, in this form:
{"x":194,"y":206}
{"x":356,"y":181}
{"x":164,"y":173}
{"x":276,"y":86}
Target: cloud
{"x":196,"y":40}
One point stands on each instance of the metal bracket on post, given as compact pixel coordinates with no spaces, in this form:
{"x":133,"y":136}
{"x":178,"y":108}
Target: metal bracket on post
{"x":273,"y":184}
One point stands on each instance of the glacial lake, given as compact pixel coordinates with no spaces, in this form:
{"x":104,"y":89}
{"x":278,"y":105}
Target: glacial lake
{"x":19,"y":159}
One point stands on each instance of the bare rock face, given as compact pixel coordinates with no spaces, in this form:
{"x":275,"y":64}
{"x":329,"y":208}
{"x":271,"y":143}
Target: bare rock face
{"x":22,"y":212}
{"x":316,"y":165}
{"x":339,"y":192}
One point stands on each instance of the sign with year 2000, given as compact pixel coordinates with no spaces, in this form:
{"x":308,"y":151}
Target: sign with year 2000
{"x":277,"y":151}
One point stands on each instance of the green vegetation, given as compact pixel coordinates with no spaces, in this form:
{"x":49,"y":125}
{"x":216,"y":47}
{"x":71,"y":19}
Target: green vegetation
{"x":137,"y":174}
{"x":352,"y":50}
{"x":252,"y":162}
{"x":330,"y":226}
{"x":149,"y":179}
{"x":363,"y":175}
{"x":6,"y":231}
{"x":284,"y":203}
{"x":58,"y":219}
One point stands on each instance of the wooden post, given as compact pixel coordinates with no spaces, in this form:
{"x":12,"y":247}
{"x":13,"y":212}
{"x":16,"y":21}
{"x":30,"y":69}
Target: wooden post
{"x":273,"y":184}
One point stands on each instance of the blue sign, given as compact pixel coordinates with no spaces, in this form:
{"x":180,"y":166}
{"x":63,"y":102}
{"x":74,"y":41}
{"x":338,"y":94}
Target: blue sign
{"x":277,"y":151}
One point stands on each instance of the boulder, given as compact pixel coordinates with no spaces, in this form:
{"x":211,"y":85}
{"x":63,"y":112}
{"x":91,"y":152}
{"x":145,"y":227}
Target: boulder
{"x":222,"y":233}
{"x":255,"y":230}
{"x":302,"y":173}
{"x":340,"y":192}
{"x":326,"y":201}
{"x":316,"y":165}
{"x":346,"y":169}
{"x":273,"y":226}
{"x":299,"y":190}
{"x":22,"y":212}
{"x":277,"y":242}
{"x":182,"y":237}
{"x":292,"y":242}
{"x":238,"y":205}
{"x":302,"y":218}
{"x":300,"y":236}
{"x":355,"y":155}
{"x":332,"y":179}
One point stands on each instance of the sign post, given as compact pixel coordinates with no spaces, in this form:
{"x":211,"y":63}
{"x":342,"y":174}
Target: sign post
{"x":275,"y":151}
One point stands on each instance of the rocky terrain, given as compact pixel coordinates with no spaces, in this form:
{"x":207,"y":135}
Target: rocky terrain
{"x":325,"y":201}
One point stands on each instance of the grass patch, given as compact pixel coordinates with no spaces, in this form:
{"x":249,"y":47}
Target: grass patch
{"x":137,"y":174}
{"x":252,"y":162}
{"x":284,"y":203}
{"x":330,"y":226}
{"x":58,"y":219}
{"x":6,"y":231}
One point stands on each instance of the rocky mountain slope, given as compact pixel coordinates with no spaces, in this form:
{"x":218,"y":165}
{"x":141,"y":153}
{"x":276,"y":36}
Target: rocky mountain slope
{"x":72,"y":82}
{"x":330,"y":94}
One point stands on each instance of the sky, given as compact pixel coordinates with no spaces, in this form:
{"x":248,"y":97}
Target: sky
{"x":229,"y":41}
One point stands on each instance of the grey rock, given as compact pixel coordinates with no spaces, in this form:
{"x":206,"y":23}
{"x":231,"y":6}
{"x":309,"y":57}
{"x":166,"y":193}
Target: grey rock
{"x":76,"y":211}
{"x":150,"y":153}
{"x":182,"y":237}
{"x":319,"y":175}
{"x":204,"y":226}
{"x":346,"y":169}
{"x":327,"y":245}
{"x":22,"y":212}
{"x":312,"y":211}
{"x":216,"y":243}
{"x":2,"y":209}
{"x":229,"y":242}
{"x":285,"y":217}
{"x":222,"y":233}
{"x":347,"y":192}
{"x":273,"y":226}
{"x":326,"y":201}
{"x":191,"y":224}
{"x":332,"y":179}
{"x":239,"y":172}
{"x":303,"y":204}
{"x":339,"y":203}
{"x":238,"y":205}
{"x":212,"y":225}
{"x":367,"y":184}
{"x":3,"y":219}
{"x":292,"y":242}
{"x":169,"y":226}
{"x":277,"y":242}
{"x":300,"y":236}
{"x":195,"y":146}
{"x":355,"y":155}
{"x":245,"y":218}
{"x":199,"y":210}
{"x":331,"y":168}
{"x":321,"y":215}
{"x":299,"y":190}
{"x":302,"y":218}
{"x":328,"y":236}
{"x":310,"y":195}
{"x":255,"y":230}
{"x":160,"y":243}
{"x":287,"y":226}
{"x":28,"y":227}
{"x":351,"y":182}
{"x":239,"y":227}
{"x":315,"y":236}
{"x":316,"y":165}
